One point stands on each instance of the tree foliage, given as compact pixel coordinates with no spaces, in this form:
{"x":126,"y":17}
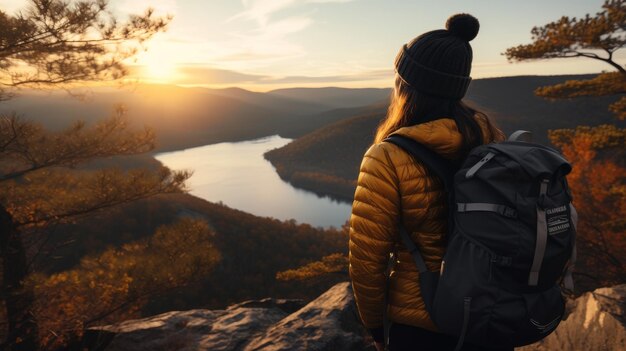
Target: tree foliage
{"x":37,"y":190}
{"x":582,"y":37}
{"x":598,"y":183}
{"x":28,"y":147}
{"x":578,"y":37}
{"x":598,"y":177}
{"x":601,"y":85}
{"x":116,"y":284}
{"x":40,"y":190}
{"x":613,"y":83}
{"x":619,"y":108}
{"x":335,"y":263}
{"x":252,"y":248}
{"x":605,"y":136}
{"x":54,"y":42}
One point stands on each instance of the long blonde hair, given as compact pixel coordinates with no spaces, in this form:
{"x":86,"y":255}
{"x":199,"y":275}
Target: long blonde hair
{"x":409,"y":107}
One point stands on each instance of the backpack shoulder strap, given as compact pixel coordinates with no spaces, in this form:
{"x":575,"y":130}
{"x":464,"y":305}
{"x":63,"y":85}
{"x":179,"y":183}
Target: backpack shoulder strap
{"x":442,"y":168}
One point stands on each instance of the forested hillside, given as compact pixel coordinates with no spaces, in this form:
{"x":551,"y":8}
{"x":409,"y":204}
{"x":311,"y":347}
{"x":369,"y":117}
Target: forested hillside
{"x":327,"y":160}
{"x":252,"y":249}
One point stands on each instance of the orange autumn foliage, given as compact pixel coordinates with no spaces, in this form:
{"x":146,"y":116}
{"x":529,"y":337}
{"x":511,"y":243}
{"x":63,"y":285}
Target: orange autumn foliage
{"x":115,"y":285}
{"x":598,"y":183}
{"x":335,"y":263}
{"x":597,"y":153}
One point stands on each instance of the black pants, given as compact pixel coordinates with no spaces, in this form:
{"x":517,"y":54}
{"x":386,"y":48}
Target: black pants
{"x":408,"y":338}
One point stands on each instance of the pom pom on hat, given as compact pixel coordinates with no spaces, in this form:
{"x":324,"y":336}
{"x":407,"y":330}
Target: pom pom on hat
{"x":463,"y":25}
{"x":439,"y":62}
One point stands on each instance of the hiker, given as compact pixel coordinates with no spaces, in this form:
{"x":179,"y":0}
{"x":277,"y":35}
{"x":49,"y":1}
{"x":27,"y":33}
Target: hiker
{"x":393,"y":190}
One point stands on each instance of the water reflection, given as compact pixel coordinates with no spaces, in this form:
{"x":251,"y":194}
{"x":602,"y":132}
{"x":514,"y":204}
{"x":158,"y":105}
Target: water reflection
{"x":239,"y":176}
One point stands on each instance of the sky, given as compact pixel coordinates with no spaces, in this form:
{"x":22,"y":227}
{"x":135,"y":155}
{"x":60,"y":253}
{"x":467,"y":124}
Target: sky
{"x":268,"y":44}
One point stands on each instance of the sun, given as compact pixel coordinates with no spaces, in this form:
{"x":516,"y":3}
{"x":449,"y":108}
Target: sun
{"x":158,"y":70}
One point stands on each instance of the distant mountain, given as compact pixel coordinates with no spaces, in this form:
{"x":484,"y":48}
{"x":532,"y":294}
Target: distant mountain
{"x":336,"y":97}
{"x":327,"y":160}
{"x":513,"y":105}
{"x":307,"y":123}
{"x":275,"y":102}
{"x":187,"y":117}
{"x":181,"y":117}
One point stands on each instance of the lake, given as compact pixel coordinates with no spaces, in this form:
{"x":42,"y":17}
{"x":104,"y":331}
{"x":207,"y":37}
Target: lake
{"x":237,"y":175}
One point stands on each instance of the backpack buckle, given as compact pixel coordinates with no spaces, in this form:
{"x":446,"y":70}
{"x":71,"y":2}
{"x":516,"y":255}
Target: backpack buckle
{"x":509,"y":212}
{"x":543,"y":191}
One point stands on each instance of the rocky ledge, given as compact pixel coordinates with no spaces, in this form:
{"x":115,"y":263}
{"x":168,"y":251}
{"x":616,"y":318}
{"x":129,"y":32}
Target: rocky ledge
{"x":329,"y":322}
{"x":597,"y":322}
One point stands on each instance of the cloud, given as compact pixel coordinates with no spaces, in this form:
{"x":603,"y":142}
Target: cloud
{"x":161,"y":7}
{"x":268,"y":41}
{"x":363,"y":76}
{"x":200,"y":75}
{"x":203,"y":75}
{"x":10,"y":7}
{"x":261,"y":10}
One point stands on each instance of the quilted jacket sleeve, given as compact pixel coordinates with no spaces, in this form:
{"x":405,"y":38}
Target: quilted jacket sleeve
{"x":373,"y":224}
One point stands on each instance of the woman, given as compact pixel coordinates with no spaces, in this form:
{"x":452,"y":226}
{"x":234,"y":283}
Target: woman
{"x":433,"y":74}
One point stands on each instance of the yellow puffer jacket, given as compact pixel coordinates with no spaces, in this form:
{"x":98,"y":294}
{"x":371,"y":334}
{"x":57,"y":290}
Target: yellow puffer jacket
{"x":390,"y":181}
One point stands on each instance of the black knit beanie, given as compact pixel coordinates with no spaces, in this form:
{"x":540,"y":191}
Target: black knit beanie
{"x":439,"y":62}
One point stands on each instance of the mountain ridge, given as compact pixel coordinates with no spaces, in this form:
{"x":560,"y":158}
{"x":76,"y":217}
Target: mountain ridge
{"x":326,"y":161}
{"x":185,"y":117}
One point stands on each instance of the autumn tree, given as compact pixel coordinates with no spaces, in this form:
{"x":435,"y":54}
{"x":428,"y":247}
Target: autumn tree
{"x":55,"y":43}
{"x":123,"y":279}
{"x":598,"y":178}
{"x":336,"y":263}
{"x":333,"y":266}
{"x":598,"y":183}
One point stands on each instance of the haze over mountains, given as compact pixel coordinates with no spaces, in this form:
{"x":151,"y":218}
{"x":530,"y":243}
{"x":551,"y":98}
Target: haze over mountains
{"x":186,"y":117}
{"x":334,"y":125}
{"x":327,"y":160}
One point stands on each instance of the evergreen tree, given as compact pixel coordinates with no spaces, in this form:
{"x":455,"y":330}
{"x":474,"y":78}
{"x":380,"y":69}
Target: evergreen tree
{"x":596,"y":37}
{"x":55,"y":43}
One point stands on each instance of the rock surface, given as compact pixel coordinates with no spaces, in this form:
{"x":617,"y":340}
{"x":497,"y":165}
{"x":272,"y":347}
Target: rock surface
{"x":328,"y":323}
{"x":597,"y":322}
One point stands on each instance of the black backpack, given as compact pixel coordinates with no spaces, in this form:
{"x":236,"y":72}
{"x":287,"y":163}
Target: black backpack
{"x":510,"y":243}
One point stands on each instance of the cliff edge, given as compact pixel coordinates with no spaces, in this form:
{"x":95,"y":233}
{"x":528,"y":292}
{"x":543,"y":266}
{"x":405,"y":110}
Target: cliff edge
{"x":597,"y":321}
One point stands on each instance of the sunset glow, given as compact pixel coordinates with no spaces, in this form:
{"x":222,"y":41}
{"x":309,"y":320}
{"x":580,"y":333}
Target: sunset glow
{"x":269,"y":44}
{"x":159,"y":71}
